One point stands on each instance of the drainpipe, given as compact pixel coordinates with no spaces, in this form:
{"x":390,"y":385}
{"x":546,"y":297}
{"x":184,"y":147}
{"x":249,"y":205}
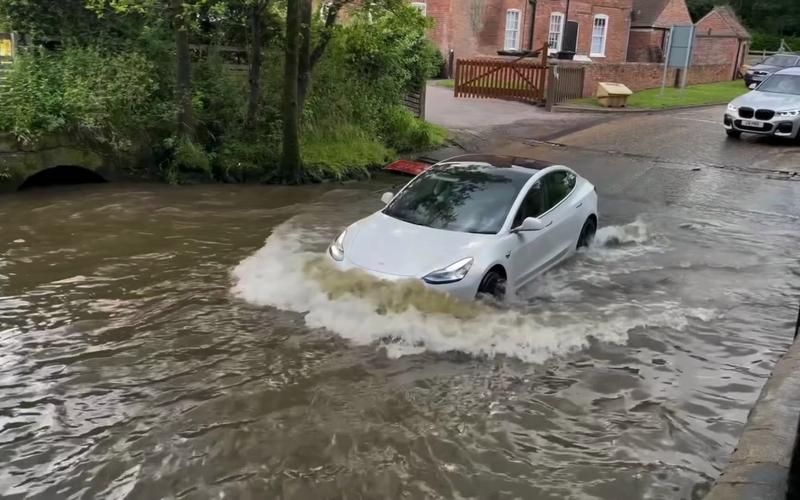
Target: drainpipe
{"x":533,"y":23}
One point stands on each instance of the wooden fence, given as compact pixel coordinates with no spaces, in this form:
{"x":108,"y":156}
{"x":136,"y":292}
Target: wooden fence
{"x":564,"y":83}
{"x":415,"y":101}
{"x":517,"y":79}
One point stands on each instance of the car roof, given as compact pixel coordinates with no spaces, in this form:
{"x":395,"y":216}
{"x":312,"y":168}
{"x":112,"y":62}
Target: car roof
{"x":500,"y":161}
{"x":789,"y":71}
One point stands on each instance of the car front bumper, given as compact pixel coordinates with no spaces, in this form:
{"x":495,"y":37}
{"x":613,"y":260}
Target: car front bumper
{"x":465,"y":289}
{"x":750,"y":79}
{"x":778,"y":126}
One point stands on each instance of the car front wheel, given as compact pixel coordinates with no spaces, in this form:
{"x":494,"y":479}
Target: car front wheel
{"x":735,"y":134}
{"x":493,"y":285}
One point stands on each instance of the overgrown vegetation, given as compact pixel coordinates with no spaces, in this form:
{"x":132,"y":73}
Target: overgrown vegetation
{"x":116,"y":76}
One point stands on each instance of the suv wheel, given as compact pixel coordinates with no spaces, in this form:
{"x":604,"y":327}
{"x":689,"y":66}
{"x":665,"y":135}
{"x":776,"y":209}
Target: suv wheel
{"x":735,"y":134}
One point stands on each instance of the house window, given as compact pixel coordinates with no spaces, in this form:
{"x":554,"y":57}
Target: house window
{"x":512,"y":29}
{"x":556,"y":31}
{"x":599,"y":35}
{"x":422,"y":7}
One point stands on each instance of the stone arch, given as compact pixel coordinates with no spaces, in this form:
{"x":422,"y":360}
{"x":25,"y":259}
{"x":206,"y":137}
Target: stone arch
{"x":61,"y":175}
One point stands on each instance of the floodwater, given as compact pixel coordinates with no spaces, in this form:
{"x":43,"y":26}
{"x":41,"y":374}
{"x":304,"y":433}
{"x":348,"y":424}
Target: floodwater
{"x":154,"y":345}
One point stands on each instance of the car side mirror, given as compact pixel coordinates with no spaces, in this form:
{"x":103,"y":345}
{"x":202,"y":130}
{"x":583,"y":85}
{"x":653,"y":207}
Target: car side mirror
{"x":387,"y":197}
{"x":529,"y":224}
{"x":752,"y":86}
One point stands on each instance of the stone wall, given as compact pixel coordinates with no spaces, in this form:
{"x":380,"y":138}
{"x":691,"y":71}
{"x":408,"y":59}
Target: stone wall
{"x":18,"y":161}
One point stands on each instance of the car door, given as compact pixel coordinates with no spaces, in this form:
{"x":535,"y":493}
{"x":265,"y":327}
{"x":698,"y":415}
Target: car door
{"x":530,"y":249}
{"x":562,"y":212}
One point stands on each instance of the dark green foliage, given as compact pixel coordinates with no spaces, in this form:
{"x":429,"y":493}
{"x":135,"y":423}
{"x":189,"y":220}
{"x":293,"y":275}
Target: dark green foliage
{"x":117,"y":89}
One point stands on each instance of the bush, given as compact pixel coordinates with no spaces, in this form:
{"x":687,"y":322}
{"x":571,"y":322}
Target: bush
{"x":107,"y":98}
{"x":771,"y":41}
{"x":404,"y":132}
{"x":345,"y":153}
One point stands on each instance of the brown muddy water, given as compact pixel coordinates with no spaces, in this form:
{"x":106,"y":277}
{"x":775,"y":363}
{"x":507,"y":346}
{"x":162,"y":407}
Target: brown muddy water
{"x":153,"y":345}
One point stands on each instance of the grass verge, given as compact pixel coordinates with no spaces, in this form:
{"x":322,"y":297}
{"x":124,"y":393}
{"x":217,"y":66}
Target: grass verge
{"x":692,"y":95}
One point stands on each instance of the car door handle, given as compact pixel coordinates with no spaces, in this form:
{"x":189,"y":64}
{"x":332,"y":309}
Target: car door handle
{"x":549,"y":224}
{"x":579,"y":205}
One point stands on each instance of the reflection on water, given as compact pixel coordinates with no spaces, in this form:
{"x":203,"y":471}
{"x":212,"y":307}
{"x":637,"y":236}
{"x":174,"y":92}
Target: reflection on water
{"x":152,"y":344}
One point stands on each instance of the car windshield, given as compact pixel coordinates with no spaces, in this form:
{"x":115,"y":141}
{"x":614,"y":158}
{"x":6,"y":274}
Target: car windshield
{"x":781,"y":84}
{"x":469,"y":199}
{"x":780,"y":61}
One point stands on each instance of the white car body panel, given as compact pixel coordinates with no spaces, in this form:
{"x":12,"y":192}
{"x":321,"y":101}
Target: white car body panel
{"x":392,"y":249}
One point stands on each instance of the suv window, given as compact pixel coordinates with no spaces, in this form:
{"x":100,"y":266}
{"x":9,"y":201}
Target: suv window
{"x":558,"y":186}
{"x":532,"y":206}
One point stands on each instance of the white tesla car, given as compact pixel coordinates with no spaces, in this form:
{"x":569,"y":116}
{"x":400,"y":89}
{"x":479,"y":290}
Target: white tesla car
{"x":474,"y":225}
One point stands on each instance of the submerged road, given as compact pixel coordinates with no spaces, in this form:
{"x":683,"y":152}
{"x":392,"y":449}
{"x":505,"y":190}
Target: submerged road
{"x":152,"y":344}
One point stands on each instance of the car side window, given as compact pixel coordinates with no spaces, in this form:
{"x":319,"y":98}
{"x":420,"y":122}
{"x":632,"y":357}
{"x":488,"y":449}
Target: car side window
{"x":532,"y":206}
{"x":558,"y":185}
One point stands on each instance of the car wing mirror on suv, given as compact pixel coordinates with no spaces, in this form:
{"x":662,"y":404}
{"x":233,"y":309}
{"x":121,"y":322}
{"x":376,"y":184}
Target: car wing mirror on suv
{"x":752,"y":86}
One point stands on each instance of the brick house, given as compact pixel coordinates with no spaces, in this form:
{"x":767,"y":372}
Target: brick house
{"x":650,"y":24}
{"x":484,"y":27}
{"x":720,"y":35}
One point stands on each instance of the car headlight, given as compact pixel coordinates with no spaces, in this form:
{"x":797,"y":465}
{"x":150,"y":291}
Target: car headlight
{"x":450,"y":274}
{"x":749,"y":71}
{"x":337,"y":247}
{"x":789,"y":113}
{"x":732,"y":108}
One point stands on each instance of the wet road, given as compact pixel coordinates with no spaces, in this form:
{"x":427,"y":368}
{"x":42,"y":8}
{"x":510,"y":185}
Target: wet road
{"x":153,"y":345}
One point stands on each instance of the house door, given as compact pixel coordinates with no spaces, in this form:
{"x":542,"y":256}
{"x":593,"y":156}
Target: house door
{"x":570,"y":43}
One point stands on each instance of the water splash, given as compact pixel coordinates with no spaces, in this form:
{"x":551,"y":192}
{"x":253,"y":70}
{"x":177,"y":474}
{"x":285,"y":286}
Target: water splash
{"x":406,"y":317}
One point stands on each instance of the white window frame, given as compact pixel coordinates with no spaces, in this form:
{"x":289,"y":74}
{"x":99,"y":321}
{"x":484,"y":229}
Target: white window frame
{"x":560,"y":35}
{"x":422,"y":7}
{"x":512,"y":30}
{"x":602,"y":52}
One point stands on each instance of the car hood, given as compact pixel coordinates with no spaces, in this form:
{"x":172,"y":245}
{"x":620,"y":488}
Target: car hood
{"x":768,"y":100}
{"x":390,"y":246}
{"x":766,"y":68}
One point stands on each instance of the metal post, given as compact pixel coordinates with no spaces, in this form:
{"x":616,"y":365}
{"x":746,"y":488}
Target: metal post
{"x":666,"y":62}
{"x":688,"y":62}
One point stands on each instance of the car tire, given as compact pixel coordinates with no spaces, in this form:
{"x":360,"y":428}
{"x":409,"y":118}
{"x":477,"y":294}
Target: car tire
{"x":493,"y":285}
{"x":734,"y":134}
{"x":587,"y":233}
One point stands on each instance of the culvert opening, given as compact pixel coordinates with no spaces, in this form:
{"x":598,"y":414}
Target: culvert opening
{"x":61,"y":175}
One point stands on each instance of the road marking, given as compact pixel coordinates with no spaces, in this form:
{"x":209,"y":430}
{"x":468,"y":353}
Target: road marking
{"x":699,"y":120}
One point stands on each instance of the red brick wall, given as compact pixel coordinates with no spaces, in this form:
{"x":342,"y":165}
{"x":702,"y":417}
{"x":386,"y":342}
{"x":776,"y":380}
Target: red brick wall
{"x":646,"y":45}
{"x":475,"y":27}
{"x":583,"y":12}
{"x":641,"y":76}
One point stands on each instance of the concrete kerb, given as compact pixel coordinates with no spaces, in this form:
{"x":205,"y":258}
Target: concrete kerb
{"x":568,"y":108}
{"x":760,"y":465}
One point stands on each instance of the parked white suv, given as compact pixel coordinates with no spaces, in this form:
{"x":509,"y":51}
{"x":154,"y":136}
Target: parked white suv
{"x":771,"y":108}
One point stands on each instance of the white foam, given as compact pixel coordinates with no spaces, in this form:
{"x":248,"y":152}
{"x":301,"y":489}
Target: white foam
{"x":278,"y":275}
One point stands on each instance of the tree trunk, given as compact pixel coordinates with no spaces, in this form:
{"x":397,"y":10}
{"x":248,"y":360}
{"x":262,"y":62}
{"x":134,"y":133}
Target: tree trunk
{"x":256,"y":43}
{"x":291,"y":167}
{"x":304,"y":75}
{"x":184,"y":77}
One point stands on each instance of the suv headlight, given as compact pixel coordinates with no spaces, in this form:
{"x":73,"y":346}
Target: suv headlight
{"x":732,"y":108}
{"x":749,"y":71}
{"x":337,"y":247}
{"x":789,"y":113}
{"x":450,"y":274}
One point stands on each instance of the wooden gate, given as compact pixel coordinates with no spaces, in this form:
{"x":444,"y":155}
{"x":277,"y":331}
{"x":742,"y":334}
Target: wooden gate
{"x":564,"y":83}
{"x":518,"y":79}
